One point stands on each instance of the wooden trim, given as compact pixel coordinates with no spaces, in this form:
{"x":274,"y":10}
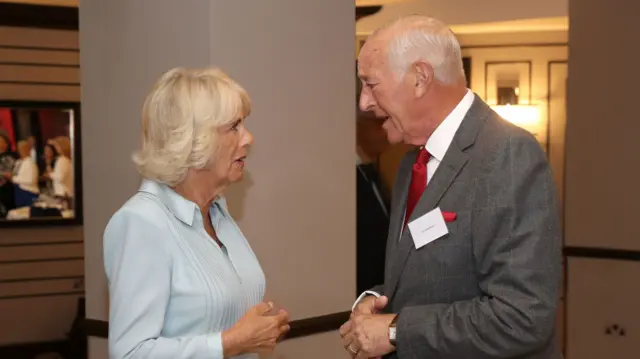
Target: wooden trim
{"x":364,"y":11}
{"x":41,"y":260}
{"x":40,"y":295}
{"x":39,"y":83}
{"x":316,"y":325}
{"x":29,"y":244}
{"x":32,"y":350}
{"x":41,"y":279}
{"x":38,"y":64}
{"x":39,"y":16}
{"x":38,"y":48}
{"x":602,"y":253}
{"x":533,"y":44}
{"x":299,"y":328}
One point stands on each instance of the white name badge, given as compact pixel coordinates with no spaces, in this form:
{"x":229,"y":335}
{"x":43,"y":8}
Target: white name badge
{"x":428,"y":228}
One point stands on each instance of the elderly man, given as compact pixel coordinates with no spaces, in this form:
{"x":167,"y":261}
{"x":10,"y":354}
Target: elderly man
{"x":473,"y":262}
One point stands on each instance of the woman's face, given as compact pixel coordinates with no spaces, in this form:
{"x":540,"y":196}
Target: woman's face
{"x":24,"y":149}
{"x":233,"y":142}
{"x":48,"y":153}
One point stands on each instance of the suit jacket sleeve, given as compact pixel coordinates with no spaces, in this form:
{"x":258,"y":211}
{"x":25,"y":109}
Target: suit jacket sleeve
{"x":517,"y":250}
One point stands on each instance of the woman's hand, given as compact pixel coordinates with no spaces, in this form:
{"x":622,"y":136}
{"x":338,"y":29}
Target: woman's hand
{"x":257,"y":331}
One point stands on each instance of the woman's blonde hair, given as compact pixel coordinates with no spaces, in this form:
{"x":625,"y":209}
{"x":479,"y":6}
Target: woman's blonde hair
{"x":180,"y":119}
{"x":62,"y":144}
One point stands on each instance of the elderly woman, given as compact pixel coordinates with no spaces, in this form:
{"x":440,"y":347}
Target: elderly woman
{"x":183,"y":281}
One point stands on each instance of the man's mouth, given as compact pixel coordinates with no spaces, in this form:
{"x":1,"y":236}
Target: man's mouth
{"x":241,"y":159}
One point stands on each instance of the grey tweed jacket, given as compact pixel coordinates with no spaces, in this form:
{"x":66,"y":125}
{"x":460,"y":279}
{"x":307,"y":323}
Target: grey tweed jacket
{"x":489,"y":288}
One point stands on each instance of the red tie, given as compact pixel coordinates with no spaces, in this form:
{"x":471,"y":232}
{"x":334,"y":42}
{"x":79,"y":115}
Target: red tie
{"x":418,"y":181}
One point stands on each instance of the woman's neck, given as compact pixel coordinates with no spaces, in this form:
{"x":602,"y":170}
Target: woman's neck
{"x":200,"y":191}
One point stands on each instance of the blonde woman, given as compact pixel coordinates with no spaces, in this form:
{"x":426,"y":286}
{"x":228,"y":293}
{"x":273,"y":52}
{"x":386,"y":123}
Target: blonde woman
{"x":183,"y":280}
{"x":62,"y":173}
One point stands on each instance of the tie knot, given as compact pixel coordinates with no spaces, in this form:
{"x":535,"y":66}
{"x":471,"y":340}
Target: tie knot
{"x":423,"y":156}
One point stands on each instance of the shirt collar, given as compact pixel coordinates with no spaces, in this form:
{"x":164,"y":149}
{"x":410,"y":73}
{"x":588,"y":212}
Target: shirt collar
{"x":441,"y":139}
{"x":184,"y":209}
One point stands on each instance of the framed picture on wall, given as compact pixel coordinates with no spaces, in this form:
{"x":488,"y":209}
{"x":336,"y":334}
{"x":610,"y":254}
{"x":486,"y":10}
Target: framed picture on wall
{"x":508,"y":82}
{"x":40,"y":174}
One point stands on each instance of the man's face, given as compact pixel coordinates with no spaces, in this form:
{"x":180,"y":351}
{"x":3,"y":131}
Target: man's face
{"x":383,"y":94}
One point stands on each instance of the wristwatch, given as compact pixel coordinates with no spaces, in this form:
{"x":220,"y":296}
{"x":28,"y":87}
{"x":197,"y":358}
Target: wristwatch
{"x":392,"y":331}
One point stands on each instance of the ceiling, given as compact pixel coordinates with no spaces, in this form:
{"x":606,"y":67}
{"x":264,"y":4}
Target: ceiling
{"x":466,"y":26}
{"x":75,"y":2}
{"x":544,"y":24}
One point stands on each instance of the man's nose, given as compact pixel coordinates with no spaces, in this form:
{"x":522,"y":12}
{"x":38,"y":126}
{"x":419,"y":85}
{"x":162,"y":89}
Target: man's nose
{"x":366,"y":102}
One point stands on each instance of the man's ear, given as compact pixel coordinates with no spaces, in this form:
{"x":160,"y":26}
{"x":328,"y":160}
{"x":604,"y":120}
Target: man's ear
{"x":423,"y":77}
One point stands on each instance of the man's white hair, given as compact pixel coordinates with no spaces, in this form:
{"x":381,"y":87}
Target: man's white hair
{"x":422,"y":38}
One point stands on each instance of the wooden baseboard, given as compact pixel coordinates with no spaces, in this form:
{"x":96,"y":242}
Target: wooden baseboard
{"x":299,"y":328}
{"x":31,"y":350}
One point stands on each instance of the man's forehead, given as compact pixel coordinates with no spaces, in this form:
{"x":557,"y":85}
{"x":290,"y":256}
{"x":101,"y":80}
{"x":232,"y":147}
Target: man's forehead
{"x":369,"y":60}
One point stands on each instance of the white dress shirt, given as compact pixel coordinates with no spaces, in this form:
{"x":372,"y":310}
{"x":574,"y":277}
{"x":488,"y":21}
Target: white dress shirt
{"x":26,"y":175}
{"x":439,"y":142}
{"x":62,"y":177}
{"x":437,"y":145}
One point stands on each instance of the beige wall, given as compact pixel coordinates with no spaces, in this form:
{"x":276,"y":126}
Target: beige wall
{"x":297,"y":206}
{"x":603,"y":172}
{"x":29,"y":310}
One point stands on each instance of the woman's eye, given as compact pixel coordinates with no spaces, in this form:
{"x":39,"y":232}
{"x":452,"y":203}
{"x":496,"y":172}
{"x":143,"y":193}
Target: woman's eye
{"x":236,"y":125}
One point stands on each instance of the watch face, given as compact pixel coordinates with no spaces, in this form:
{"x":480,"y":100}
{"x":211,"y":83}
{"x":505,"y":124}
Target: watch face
{"x":392,"y":333}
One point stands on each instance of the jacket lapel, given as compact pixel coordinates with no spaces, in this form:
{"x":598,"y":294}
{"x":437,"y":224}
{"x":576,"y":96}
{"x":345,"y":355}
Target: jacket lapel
{"x":453,"y":162}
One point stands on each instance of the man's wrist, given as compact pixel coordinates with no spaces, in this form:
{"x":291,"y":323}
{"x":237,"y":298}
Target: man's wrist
{"x":393,"y":330}
{"x":364,"y":294}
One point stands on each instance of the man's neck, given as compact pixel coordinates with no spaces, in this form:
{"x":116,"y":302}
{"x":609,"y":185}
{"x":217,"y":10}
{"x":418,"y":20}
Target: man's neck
{"x":439,"y":107}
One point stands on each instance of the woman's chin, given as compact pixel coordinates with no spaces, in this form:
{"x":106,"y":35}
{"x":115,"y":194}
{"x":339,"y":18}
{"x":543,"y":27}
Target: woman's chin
{"x":237,"y":172}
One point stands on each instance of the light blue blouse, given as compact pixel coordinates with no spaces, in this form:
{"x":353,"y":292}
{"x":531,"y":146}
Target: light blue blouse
{"x":172,"y":289}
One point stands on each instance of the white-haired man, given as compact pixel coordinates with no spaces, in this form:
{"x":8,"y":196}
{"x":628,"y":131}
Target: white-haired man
{"x":473,"y":262}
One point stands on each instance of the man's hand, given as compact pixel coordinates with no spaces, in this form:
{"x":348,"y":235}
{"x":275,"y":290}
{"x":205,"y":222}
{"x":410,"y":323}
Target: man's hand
{"x":367,"y":335}
{"x":370,"y":305}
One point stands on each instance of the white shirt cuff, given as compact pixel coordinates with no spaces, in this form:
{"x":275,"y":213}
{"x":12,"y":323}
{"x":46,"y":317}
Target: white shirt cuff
{"x":214,"y":346}
{"x":364,"y":294}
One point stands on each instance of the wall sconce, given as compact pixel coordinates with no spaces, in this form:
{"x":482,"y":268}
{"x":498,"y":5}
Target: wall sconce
{"x":525,"y":116}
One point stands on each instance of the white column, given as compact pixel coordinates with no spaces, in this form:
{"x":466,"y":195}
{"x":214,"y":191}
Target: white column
{"x":297,"y":205}
{"x":602,"y":176}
